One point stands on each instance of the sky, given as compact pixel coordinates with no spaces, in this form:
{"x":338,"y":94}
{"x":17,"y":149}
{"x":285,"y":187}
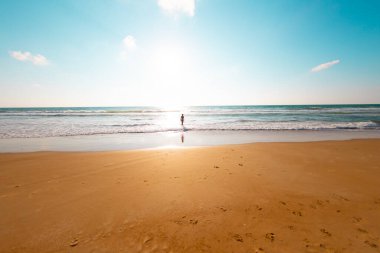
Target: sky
{"x":188,"y":52}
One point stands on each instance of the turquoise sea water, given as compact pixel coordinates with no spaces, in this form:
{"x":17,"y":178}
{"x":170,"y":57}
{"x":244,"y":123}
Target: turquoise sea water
{"x":79,"y":121}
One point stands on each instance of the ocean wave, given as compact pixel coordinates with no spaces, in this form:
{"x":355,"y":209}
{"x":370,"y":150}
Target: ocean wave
{"x":130,"y":125}
{"x":85,"y":112}
{"x":199,"y":114}
{"x":38,"y":131}
{"x":50,"y":122}
{"x":196,"y":109}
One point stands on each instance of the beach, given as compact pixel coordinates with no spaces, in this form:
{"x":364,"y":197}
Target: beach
{"x":261,"y":197}
{"x":186,"y":126}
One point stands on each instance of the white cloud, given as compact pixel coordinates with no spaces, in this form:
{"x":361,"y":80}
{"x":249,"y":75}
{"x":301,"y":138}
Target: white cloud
{"x":37,"y":59}
{"x":324,"y":66}
{"x":178,"y":6}
{"x":129,"y":43}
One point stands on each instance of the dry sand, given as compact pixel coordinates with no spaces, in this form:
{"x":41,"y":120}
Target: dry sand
{"x":264,"y":197}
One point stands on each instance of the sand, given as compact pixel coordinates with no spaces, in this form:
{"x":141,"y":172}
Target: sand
{"x":263,"y":197}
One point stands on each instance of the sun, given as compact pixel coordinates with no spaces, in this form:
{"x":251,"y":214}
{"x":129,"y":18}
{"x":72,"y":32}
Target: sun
{"x":170,"y":63}
{"x":170,"y":73}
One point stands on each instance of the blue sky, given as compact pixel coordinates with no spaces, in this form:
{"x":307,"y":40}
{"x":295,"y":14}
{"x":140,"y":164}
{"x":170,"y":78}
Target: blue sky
{"x":186,"y":52}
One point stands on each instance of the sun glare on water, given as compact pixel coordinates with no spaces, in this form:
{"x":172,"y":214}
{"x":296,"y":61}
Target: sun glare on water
{"x":171,"y":117}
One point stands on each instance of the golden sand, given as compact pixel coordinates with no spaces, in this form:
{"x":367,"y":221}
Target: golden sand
{"x":263,"y":197}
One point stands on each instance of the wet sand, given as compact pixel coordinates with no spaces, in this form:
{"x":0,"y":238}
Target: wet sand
{"x":262,"y":197}
{"x":134,"y":141}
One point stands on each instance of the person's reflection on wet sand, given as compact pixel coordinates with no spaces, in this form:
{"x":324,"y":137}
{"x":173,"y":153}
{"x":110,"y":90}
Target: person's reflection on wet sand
{"x":182,"y":137}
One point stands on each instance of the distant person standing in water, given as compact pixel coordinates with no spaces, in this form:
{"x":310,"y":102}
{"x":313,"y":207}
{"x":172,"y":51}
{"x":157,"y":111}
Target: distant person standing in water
{"x":182,"y":119}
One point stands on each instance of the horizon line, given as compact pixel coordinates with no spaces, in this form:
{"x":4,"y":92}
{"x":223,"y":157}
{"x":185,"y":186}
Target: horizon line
{"x":115,"y":106}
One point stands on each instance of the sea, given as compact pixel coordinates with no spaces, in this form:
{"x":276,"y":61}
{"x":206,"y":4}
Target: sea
{"x":89,"y":121}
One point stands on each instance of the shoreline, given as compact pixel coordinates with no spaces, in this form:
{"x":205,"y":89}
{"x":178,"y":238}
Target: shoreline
{"x":169,"y":148}
{"x":140,"y":141}
{"x":260,"y":197}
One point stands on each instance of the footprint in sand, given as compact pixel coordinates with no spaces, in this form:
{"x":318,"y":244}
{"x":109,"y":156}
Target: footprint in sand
{"x":240,"y":164}
{"x":325,"y":232}
{"x":297,"y":213}
{"x":313,"y":206}
{"x":320,"y":202}
{"x":291,"y":227}
{"x":147,"y":239}
{"x":238,"y":238}
{"x":356,"y":219}
{"x":340,"y":197}
{"x":282,"y":202}
{"x":362,"y":230}
{"x":223,"y":209}
{"x":194,"y":222}
{"x":372,"y":244}
{"x":74,"y":242}
{"x":270,"y":236}
{"x":180,"y":222}
{"x":315,"y":247}
{"x":216,"y":167}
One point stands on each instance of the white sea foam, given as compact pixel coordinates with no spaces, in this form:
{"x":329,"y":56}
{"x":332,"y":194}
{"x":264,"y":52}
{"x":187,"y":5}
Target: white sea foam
{"x":49,"y":122}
